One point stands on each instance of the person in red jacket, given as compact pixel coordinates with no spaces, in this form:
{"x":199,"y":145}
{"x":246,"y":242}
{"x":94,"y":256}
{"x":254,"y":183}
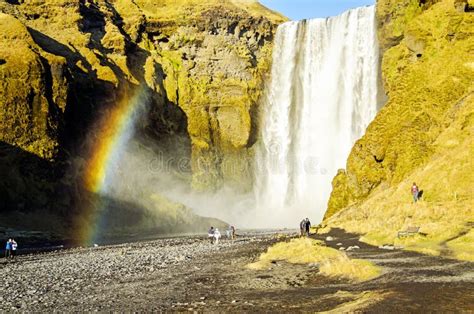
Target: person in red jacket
{"x":415,"y":192}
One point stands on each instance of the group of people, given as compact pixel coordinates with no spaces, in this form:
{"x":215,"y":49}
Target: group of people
{"x":214,"y":234}
{"x":305,"y":225}
{"x":10,"y":248}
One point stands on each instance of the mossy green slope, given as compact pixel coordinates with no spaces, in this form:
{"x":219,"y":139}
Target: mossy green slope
{"x":424,"y":132}
{"x":29,"y":114}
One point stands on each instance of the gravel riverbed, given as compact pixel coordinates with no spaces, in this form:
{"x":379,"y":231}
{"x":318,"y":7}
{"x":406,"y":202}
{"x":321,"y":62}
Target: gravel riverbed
{"x":73,"y":278}
{"x":190,"y":274}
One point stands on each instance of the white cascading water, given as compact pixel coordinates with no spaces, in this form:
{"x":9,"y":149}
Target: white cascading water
{"x":323,"y":93}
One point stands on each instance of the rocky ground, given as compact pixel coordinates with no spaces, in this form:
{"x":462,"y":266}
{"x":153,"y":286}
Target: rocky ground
{"x":189,"y":273}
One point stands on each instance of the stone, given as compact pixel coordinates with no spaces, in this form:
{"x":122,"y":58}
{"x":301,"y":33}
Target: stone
{"x":387,"y":247}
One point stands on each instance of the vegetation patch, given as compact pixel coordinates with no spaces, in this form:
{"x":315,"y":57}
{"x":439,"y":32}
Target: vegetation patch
{"x":358,"y":301}
{"x":307,"y":251}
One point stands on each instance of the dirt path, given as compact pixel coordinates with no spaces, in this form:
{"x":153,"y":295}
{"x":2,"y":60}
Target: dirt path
{"x":413,"y":282}
{"x":410,"y":282}
{"x":190,"y":274}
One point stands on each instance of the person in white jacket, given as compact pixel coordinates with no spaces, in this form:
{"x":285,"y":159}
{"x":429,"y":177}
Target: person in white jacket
{"x":217,"y":235}
{"x":14,"y":247}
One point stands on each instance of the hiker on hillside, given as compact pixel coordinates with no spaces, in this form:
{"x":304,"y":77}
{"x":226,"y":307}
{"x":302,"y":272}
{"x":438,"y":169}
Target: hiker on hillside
{"x":307,"y":226}
{"x":8,"y":248}
{"x":210,"y":234}
{"x":217,"y":235}
{"x":14,"y":247}
{"x":302,"y":227}
{"x":415,"y":192}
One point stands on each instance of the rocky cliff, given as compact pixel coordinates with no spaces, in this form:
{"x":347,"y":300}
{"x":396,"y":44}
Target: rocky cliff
{"x":424,"y":133}
{"x":63,"y":64}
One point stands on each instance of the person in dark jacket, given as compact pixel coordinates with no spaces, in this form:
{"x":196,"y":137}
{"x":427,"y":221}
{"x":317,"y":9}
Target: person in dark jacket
{"x":210,"y":234}
{"x":302,"y":227}
{"x":307,"y":226}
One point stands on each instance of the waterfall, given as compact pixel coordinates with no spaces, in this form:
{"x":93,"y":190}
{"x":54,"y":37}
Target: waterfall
{"x":323,"y":93}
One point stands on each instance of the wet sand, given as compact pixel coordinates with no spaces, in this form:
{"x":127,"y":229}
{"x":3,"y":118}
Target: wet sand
{"x":188,"y":273}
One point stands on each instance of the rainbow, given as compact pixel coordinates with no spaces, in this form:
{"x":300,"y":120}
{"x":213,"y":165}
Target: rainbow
{"x":116,"y":128}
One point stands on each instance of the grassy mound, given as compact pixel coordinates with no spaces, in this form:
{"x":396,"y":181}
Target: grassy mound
{"x":306,"y":251}
{"x":423,"y":134}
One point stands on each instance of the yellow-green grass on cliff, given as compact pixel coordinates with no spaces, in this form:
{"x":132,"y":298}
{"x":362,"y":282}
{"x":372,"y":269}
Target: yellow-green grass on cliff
{"x":427,"y":76}
{"x":446,"y":210}
{"x":306,"y":251}
{"x":179,"y":11}
{"x":424,"y":134}
{"x":26,"y":117}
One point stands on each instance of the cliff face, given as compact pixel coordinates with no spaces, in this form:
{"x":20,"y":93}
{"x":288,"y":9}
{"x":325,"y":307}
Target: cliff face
{"x":214,"y":63}
{"x":64,"y":64}
{"x":424,"y":132}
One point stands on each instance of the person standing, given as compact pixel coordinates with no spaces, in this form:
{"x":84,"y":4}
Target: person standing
{"x":14,"y":247}
{"x":210,"y":234}
{"x":232,"y":232}
{"x":217,"y":235}
{"x":302,"y":227}
{"x":8,"y":248}
{"x":415,"y":192}
{"x":307,"y":226}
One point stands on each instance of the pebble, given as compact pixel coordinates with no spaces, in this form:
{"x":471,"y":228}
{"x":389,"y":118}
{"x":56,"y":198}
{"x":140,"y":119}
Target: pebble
{"x":40,"y":281}
{"x":354,"y":247}
{"x":387,"y":247}
{"x":329,"y":238}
